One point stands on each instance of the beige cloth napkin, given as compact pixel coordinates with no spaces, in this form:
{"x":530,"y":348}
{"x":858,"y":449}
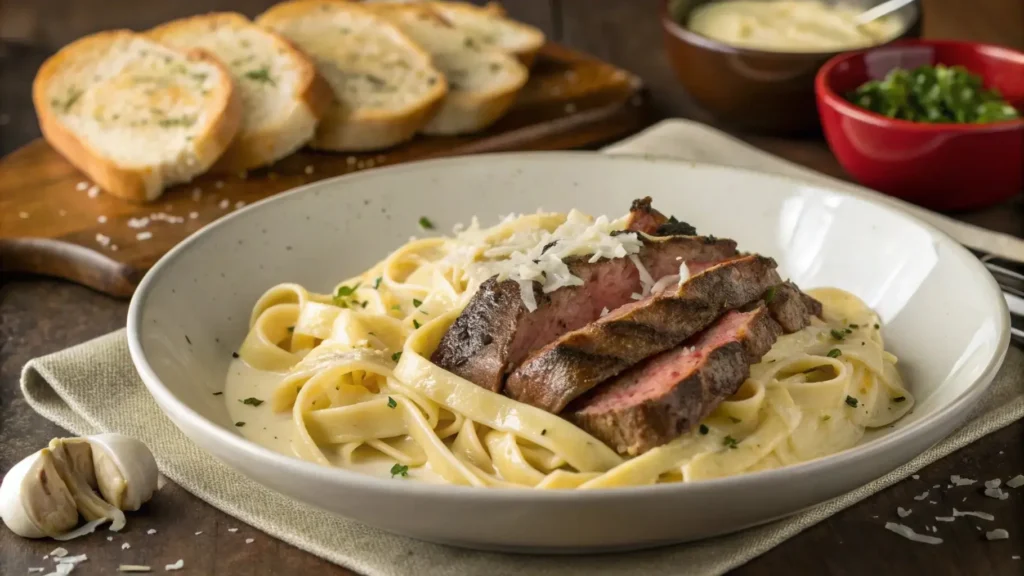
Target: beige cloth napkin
{"x":73,"y":388}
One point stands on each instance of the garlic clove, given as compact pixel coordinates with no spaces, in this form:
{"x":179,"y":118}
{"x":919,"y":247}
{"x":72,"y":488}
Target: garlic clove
{"x":125,"y":468}
{"x":90,"y":504}
{"x":34,"y":500}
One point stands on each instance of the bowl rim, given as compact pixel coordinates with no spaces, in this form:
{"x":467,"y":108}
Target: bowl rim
{"x":688,"y":36}
{"x":833,"y":99}
{"x":289,"y":465}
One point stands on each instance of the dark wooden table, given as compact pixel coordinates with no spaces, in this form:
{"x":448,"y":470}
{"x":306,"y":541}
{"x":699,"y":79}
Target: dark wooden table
{"x":39,"y":315}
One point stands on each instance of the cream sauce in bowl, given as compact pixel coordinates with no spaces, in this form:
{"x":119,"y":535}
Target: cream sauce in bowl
{"x":790,"y":25}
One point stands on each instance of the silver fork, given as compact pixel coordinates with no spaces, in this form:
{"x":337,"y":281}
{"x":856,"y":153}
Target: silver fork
{"x":1009,"y":276}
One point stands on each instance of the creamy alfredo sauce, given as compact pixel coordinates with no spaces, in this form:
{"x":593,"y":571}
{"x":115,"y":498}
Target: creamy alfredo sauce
{"x":276,"y":431}
{"x":790,"y":25}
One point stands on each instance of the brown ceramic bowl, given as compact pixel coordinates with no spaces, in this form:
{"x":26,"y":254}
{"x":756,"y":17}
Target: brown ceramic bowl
{"x":755,"y":90}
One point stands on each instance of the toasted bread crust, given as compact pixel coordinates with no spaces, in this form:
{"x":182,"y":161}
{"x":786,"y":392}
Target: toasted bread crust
{"x":526,"y":54}
{"x":368,"y":128}
{"x":137,"y":185}
{"x":257,"y":148}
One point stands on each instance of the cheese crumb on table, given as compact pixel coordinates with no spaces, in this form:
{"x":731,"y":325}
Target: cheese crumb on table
{"x":176,"y":566}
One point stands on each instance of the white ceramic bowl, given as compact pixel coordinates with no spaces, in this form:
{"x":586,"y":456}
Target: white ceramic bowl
{"x":944,"y":318}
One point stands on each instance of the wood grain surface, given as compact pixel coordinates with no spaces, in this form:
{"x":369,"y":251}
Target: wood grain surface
{"x":53,"y":222}
{"x":40,"y":315}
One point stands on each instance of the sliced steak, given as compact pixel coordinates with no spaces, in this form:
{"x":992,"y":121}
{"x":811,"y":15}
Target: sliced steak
{"x":496,"y":331}
{"x":655,"y":401}
{"x":644,"y":218}
{"x":570,"y":366}
{"x":791,"y":308}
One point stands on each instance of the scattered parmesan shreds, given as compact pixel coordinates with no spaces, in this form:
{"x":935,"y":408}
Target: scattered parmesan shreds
{"x":113,"y":247}
{"x":101,"y":219}
{"x":935,"y":529}
{"x":144,"y":235}
{"x":932,"y":502}
{"x":249,"y":540}
{"x":309,"y":169}
{"x":1014,"y":557}
{"x":1015,"y":482}
{"x":199,"y":532}
{"x":916,"y":476}
{"x":93,"y":192}
{"x":176,"y":566}
{"x":59,"y":552}
{"x":935,"y":486}
{"x":993,"y":483}
{"x":138,"y":222}
{"x":110,"y":538}
{"x":62,"y":570}
{"x":125,"y":546}
{"x":224,"y":204}
{"x":193,"y":215}
{"x":232,"y":529}
{"x":945,"y":518}
{"x":72,"y":559}
{"x":36,"y":570}
{"x":997,"y":534}
{"x":996,"y":493}
{"x":151,"y":531}
{"x":239,"y":204}
{"x":903,"y":512}
{"x":133,"y":568}
{"x":920,"y":497}
{"x":908,"y":533}
{"x":604,"y":311}
{"x":958,"y":481}
{"x":982,"y":515}
{"x":82,"y":186}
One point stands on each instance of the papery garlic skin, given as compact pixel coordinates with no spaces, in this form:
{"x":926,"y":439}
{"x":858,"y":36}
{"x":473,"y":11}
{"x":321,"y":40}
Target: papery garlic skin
{"x":34,"y":501}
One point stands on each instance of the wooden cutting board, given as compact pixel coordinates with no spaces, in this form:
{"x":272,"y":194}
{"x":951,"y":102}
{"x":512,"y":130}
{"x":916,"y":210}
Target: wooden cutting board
{"x":53,"y":222}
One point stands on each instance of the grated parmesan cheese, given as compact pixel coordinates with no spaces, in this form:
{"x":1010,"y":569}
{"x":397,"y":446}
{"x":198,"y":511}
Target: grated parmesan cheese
{"x":997,"y":534}
{"x":908,"y":533}
{"x":945,"y":518}
{"x":176,"y":566}
{"x":59,"y":552}
{"x":982,"y":515}
{"x":903,"y":512}
{"x":133,"y":568}
{"x":1015,"y":482}
{"x":996,"y":493}
{"x":920,"y":497}
{"x":958,"y":481}
{"x":994,"y":483}
{"x":125,"y":546}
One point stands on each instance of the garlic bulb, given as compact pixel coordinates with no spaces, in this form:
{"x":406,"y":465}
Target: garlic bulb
{"x":44,"y":494}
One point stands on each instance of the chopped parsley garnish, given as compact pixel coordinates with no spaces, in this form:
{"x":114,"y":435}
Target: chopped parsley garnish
{"x":183,"y":121}
{"x":344,"y":297}
{"x":376,"y":283}
{"x":769,"y":295}
{"x":416,"y":302}
{"x":425,"y":223}
{"x":399,"y":470}
{"x":239,"y":424}
{"x":834,"y":353}
{"x":826,"y":418}
{"x":218,"y":393}
{"x":735,"y":420}
{"x":73,"y":95}
{"x":291,"y":329}
{"x":261,"y":75}
{"x":703,"y":429}
{"x":730,"y":442}
{"x":396,"y":307}
{"x":415,"y":324}
{"x":854,"y":326}
{"x":877,"y":326}
{"x":391,"y":402}
{"x":234,"y":355}
{"x":900,"y":399}
{"x":250,"y":401}
{"x":851,"y":402}
{"x":544,"y":432}
{"x":710,"y":239}
{"x":396,"y":356}
{"x":838,"y":334}
{"x":933,"y":94}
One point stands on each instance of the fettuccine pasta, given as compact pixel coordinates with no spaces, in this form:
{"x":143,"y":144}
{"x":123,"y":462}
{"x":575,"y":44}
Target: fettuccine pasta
{"x":344,"y":379}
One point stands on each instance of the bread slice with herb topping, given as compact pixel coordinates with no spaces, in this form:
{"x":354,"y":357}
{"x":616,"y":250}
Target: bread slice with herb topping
{"x":482,"y":83}
{"x":134,"y":115}
{"x":283,"y":98}
{"x":385,"y":86}
{"x":489,"y":27}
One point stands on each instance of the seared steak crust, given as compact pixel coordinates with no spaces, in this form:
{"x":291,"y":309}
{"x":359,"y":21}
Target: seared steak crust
{"x":577,"y":361}
{"x":659,"y":399}
{"x":495,"y":332}
{"x":644,"y":218}
{"x":791,"y":308}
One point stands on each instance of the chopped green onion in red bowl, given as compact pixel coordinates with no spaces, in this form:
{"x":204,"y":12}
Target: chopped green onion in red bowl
{"x":938,"y":123}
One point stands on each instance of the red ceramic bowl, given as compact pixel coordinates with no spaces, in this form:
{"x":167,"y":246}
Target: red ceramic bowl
{"x":941,"y":166}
